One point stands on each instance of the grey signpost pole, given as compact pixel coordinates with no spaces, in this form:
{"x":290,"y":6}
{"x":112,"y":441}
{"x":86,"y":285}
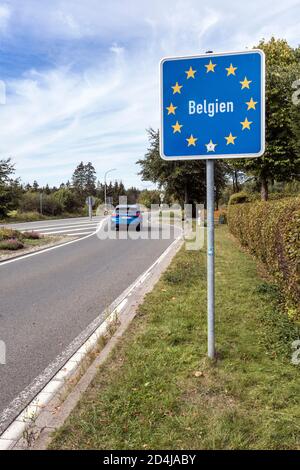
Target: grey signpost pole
{"x":210,"y":198}
{"x":41,"y":203}
{"x":90,"y":203}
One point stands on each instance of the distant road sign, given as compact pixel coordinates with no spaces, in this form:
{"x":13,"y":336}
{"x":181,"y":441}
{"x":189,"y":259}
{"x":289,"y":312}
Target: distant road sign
{"x":90,"y":201}
{"x":213,"y":106}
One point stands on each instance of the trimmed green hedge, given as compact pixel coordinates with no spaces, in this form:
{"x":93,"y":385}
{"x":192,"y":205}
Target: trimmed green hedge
{"x":271,"y":232}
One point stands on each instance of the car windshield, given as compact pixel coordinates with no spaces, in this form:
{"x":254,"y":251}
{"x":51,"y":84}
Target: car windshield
{"x":130,"y":210}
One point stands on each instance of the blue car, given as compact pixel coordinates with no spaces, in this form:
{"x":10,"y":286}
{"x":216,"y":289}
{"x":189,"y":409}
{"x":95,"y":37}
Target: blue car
{"x":127,"y":216}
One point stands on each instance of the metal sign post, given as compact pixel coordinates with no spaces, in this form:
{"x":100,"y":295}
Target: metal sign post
{"x":90,"y":208}
{"x":212,"y":107}
{"x":210,"y":197}
{"x":90,"y":201}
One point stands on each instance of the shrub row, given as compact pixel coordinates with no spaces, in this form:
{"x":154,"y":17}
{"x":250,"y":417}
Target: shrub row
{"x":271,"y":232}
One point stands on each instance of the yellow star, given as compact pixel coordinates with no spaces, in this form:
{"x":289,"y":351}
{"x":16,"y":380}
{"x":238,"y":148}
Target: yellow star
{"x":231,"y":70}
{"x":192,"y":140}
{"x":230,"y":139}
{"x":245,"y":83}
{"x":246,"y":124}
{"x":176,"y":88}
{"x":177,"y":127}
{"x":190,"y":73}
{"x":210,"y":67}
{"x":251,"y":104}
{"x":171,"y":109}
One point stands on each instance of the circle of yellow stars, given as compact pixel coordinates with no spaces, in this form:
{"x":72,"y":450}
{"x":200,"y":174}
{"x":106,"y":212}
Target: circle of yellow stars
{"x":230,"y":139}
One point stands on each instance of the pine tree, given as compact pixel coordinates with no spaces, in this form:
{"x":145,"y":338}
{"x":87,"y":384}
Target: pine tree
{"x":78,"y":179}
{"x":90,"y":179}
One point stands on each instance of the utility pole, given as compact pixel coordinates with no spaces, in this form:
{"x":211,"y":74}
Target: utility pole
{"x":41,"y":203}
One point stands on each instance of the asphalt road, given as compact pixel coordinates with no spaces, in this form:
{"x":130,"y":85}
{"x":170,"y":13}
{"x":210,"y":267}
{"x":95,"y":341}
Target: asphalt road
{"x":74,"y":227}
{"x":48,"y":299}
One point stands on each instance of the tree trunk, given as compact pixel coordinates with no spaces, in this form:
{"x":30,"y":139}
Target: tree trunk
{"x":236,"y":181}
{"x":186,"y":194}
{"x":264,"y":189}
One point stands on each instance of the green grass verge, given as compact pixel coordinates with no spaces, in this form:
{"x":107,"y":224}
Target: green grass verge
{"x":158,"y":390}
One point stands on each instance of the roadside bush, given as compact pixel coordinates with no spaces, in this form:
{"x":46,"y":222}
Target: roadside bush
{"x":271,"y":232}
{"x":31,"y":235}
{"x":30,"y":202}
{"x":239,"y":198}
{"x":25,"y":216}
{"x":11,"y":244}
{"x":67,"y":200}
{"x":7,"y":234}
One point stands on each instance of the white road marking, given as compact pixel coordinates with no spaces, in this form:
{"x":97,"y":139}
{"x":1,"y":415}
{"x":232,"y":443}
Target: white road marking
{"x":68,"y":229}
{"x":49,"y":227}
{"x":80,"y":233}
{"x":46,"y":250}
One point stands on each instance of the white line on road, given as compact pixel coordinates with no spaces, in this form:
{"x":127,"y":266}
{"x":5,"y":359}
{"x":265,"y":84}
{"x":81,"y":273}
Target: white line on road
{"x":68,"y":229}
{"x":77,"y":234}
{"x":49,"y":227}
{"x":14,"y":260}
{"x":33,"y":227}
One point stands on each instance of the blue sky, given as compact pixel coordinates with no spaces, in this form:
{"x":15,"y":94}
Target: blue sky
{"x":81,"y":78}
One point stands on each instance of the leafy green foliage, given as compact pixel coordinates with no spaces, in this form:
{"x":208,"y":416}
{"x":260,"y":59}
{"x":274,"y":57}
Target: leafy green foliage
{"x":271,"y":231}
{"x":183,"y":181}
{"x":239,"y":198}
{"x":67,"y":200}
{"x":281,"y":160}
{"x":7,"y":234}
{"x":30,"y":202}
{"x":148,"y":197}
{"x":84,"y":179}
{"x":10,"y":189}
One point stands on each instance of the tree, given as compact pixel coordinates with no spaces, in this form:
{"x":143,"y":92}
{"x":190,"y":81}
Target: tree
{"x":35,"y":186}
{"x":132,"y":195}
{"x":280,"y":161}
{"x":90,"y":179}
{"x":84,"y":180}
{"x":78,"y":179}
{"x":6,"y":170}
{"x":67,"y":199}
{"x":10,"y":189}
{"x":148,"y":197}
{"x":184,"y":181}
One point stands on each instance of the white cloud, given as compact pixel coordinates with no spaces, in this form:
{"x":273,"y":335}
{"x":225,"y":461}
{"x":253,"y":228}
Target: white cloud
{"x":5,"y":14}
{"x":95,"y":102}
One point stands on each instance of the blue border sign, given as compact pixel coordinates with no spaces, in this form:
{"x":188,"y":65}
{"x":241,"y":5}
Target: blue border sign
{"x":213,"y":106}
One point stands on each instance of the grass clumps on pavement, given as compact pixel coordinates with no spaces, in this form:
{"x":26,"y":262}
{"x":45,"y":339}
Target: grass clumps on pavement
{"x":158,"y":390}
{"x":12,"y":240}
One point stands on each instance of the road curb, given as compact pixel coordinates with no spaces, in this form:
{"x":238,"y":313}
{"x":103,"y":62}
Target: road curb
{"x":33,"y":427}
